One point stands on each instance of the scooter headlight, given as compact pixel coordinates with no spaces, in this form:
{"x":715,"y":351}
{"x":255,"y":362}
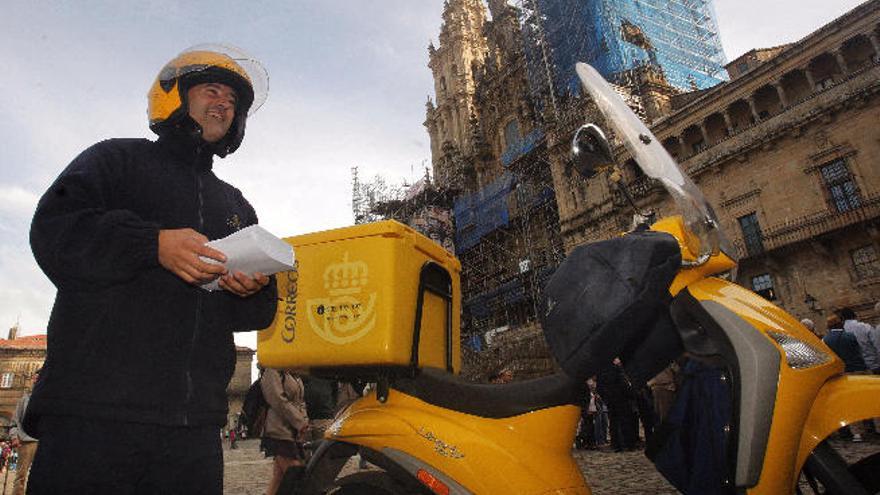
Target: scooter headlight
{"x":799,"y":354}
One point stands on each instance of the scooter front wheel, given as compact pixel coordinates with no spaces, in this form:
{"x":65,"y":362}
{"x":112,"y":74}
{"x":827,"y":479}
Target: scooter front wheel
{"x":867,"y":471}
{"x":827,"y":473}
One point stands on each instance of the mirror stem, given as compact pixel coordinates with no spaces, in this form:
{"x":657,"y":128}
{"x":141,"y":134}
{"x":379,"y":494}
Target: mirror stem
{"x":617,"y":179}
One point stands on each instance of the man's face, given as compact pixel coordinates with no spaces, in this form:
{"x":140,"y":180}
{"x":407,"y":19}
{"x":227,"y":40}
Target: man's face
{"x":212,"y":106}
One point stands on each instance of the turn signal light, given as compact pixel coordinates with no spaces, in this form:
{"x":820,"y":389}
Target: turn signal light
{"x":432,"y":482}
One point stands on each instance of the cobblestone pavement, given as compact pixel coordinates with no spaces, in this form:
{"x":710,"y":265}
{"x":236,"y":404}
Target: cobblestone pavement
{"x":607,"y":472}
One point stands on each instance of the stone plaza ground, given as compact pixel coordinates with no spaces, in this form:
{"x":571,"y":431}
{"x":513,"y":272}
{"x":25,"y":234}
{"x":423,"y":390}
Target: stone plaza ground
{"x":607,"y":472}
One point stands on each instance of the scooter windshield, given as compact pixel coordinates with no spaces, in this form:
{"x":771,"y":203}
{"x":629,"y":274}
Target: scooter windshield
{"x":699,"y":217}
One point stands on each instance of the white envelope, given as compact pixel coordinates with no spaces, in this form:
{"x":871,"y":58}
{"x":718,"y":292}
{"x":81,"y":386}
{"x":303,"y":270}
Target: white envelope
{"x":250,"y":250}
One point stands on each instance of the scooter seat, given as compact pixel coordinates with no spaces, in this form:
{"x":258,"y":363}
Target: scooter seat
{"x":446,"y":390}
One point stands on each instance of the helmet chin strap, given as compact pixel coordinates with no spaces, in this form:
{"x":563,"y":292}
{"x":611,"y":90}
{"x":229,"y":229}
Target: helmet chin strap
{"x":189,"y":128}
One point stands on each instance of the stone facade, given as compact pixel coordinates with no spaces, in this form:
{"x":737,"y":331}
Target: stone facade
{"x":239,"y":383}
{"x":787,"y":152}
{"x":461,"y":51}
{"x":488,"y":151}
{"x":20,"y":358}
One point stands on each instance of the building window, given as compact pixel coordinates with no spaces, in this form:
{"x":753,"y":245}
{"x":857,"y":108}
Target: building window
{"x":763,"y":285}
{"x":841,"y":186}
{"x":865,"y":262}
{"x":6,"y":379}
{"x":752,"y":235}
{"x":699,"y":146}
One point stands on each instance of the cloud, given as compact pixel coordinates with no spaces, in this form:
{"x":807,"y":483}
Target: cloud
{"x":25,"y":292}
{"x":17,"y":201}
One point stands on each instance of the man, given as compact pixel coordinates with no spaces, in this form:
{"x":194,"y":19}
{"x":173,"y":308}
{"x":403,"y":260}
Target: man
{"x":133,"y":390}
{"x":616,"y":390}
{"x":21,"y":441}
{"x":863,"y":334}
{"x":846,"y":346}
{"x":810,"y":325}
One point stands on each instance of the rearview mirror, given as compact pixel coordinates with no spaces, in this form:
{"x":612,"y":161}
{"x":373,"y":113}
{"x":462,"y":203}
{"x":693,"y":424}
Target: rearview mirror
{"x":590,"y":151}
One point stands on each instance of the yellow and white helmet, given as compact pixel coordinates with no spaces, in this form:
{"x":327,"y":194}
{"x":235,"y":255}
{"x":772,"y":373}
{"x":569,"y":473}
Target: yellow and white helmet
{"x":167,"y":107}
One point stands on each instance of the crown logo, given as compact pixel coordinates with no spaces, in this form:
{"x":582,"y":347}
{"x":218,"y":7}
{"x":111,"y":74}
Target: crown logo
{"x":348,"y":312}
{"x":345,"y":278}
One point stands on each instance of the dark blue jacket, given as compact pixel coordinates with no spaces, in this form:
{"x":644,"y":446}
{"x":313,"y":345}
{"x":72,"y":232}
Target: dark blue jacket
{"x":847,"y":348}
{"x":127,"y":339}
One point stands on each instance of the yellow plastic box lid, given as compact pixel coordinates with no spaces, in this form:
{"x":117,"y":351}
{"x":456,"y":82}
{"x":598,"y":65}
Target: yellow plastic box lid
{"x":360,"y":297}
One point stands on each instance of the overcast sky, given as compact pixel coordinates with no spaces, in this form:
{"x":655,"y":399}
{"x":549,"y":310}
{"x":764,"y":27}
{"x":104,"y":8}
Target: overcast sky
{"x":348,"y":85}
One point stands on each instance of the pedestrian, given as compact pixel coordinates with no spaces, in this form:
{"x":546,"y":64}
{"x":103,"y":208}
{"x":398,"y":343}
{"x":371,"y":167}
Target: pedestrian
{"x":616,"y":390}
{"x":286,"y":423}
{"x":233,"y":437}
{"x":133,"y":391}
{"x":5,"y":455}
{"x":845,"y":345}
{"x":864,"y":335}
{"x":320,"y":396}
{"x":875,"y":339}
{"x":663,"y":388}
{"x":25,"y":444}
{"x":586,"y":437}
{"x":645,"y":408}
{"x":601,"y":420}
{"x":808,"y":323}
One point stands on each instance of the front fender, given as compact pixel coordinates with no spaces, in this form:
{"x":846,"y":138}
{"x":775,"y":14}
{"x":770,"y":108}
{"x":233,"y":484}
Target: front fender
{"x":842,"y":400}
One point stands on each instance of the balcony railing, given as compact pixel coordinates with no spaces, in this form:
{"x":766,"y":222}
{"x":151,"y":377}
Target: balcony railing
{"x":638,"y":188}
{"x":800,"y":110}
{"x":812,"y":225}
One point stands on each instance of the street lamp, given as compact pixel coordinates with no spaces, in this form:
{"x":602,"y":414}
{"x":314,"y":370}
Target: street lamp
{"x":811,"y":302}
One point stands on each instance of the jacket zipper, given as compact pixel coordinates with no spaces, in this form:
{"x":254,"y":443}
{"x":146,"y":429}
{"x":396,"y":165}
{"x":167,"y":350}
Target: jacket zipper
{"x":192,"y":346}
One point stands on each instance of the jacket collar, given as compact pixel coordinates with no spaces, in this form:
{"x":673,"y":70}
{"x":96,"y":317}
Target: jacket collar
{"x":187,"y":148}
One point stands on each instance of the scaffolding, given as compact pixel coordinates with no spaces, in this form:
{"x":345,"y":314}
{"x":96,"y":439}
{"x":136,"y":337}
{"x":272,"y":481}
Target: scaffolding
{"x":421,"y":205}
{"x":506,"y":231}
{"x":507,"y":238}
{"x":679,"y":36}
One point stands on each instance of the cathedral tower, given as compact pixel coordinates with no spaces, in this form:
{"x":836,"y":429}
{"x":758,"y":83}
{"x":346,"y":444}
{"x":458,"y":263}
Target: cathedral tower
{"x":462,"y":51}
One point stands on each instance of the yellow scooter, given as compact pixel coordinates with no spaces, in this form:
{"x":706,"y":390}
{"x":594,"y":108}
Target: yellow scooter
{"x":432,"y":432}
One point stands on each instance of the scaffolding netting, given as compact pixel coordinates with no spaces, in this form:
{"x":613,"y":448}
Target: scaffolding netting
{"x":679,"y":36}
{"x":478,"y":214}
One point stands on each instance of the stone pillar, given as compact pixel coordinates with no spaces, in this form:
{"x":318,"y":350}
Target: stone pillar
{"x":875,"y":42}
{"x":754,"y":109}
{"x":677,"y":148}
{"x":781,"y":92}
{"x":812,"y":82}
{"x":841,"y":62}
{"x":727,"y":122}
{"x":704,"y":133}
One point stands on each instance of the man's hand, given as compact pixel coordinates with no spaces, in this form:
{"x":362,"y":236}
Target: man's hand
{"x":179,"y":251}
{"x":15,"y":442}
{"x":241,"y":285}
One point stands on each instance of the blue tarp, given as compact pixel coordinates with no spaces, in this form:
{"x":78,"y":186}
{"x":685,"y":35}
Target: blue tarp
{"x":478,"y":214}
{"x":683,"y":36}
{"x":475,"y":342}
{"x":521,"y":147}
{"x":480,"y":305}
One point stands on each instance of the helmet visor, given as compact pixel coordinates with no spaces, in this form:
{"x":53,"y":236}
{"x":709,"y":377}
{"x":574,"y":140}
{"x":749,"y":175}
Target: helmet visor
{"x":193,"y":60}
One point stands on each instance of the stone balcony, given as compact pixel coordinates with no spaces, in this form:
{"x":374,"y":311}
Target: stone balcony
{"x":809,"y":226}
{"x":789,"y":120}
